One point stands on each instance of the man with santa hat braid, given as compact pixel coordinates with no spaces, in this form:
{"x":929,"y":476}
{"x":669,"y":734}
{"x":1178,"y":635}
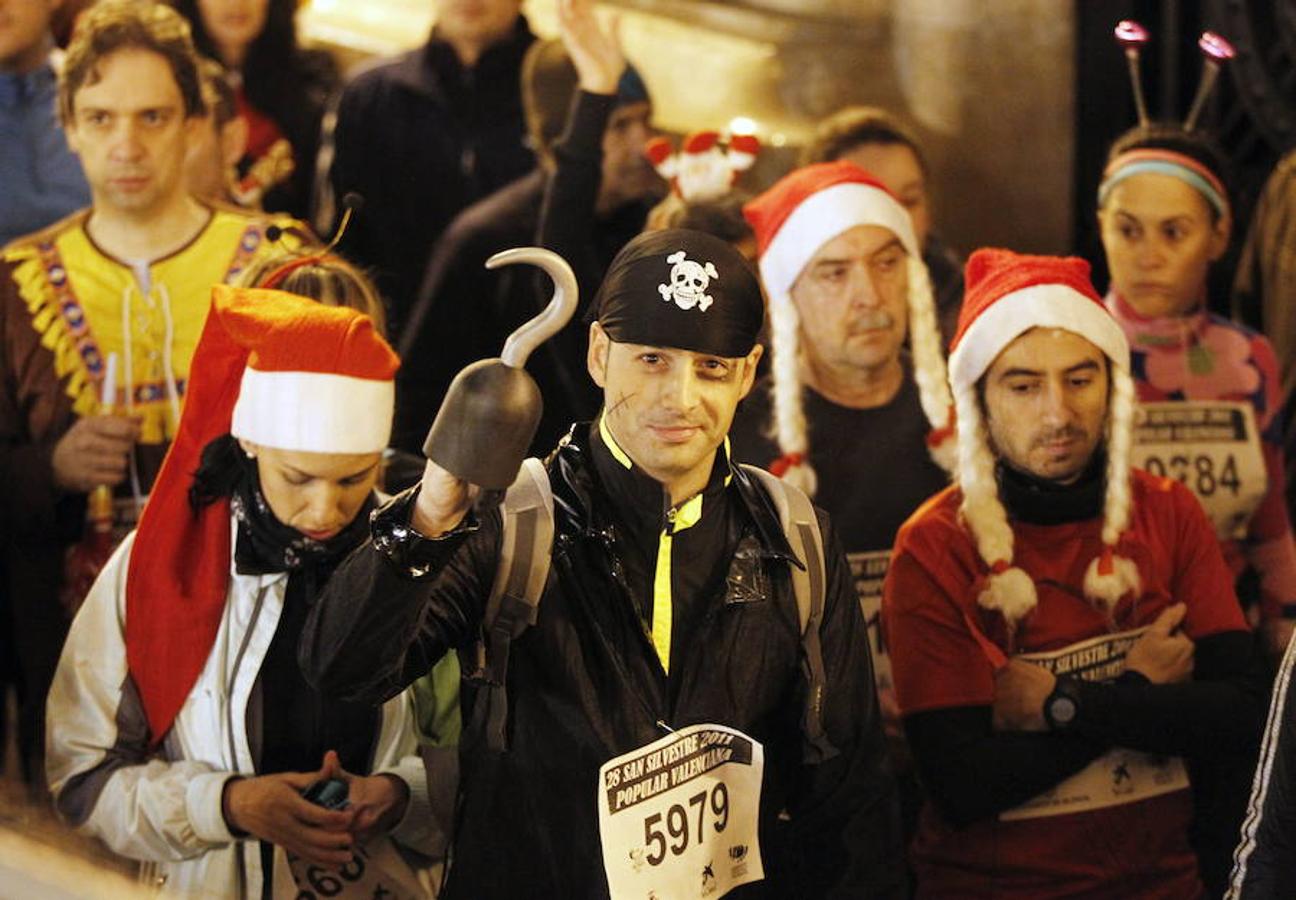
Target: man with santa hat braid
{"x":848,"y":413}
{"x":1064,"y":637}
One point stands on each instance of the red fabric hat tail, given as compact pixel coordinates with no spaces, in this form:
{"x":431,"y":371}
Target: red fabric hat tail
{"x":661,"y":154}
{"x":179,"y":566}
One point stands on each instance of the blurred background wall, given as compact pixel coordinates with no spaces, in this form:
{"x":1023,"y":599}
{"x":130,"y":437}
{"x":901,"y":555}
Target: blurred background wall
{"x":989,"y":86}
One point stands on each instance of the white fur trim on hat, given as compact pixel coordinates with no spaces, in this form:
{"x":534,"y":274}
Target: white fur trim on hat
{"x":1038,"y":306}
{"x":823,"y":216}
{"x":314,"y":411}
{"x":789,"y":426}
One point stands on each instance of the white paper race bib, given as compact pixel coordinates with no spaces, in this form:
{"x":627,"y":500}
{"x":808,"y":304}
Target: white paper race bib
{"x":678,"y":817}
{"x":375,"y":873}
{"x":868,"y":571}
{"x":1119,"y":776}
{"x":1214,"y":449}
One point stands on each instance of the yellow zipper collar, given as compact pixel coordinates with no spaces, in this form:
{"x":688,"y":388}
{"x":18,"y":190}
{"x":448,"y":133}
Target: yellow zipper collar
{"x":617,"y":453}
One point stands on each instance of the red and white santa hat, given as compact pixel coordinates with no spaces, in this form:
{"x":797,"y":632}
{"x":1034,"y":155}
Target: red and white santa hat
{"x":792,"y":221}
{"x":310,"y":385}
{"x":702,"y":171}
{"x":281,"y":371}
{"x":1007,"y":294}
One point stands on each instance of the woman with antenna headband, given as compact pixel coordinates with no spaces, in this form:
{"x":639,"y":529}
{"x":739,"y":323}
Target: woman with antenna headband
{"x":1208,"y":389}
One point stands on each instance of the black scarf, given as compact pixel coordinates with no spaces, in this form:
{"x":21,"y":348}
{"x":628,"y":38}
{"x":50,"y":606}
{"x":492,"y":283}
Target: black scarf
{"x":297,"y":723}
{"x":1039,"y":501}
{"x":264,"y":543}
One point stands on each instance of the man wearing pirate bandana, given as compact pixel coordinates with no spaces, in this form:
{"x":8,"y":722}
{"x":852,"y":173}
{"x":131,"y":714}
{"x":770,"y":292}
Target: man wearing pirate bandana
{"x":668,"y":625}
{"x":1070,"y":662}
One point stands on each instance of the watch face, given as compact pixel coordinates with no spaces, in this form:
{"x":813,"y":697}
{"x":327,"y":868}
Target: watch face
{"x":1062,"y":710}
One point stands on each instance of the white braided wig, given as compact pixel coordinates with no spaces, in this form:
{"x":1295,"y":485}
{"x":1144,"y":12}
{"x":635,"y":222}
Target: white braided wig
{"x":1008,"y":588}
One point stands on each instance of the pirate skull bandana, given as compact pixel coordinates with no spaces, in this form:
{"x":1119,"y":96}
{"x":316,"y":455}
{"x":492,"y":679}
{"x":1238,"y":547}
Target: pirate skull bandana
{"x":682,"y":289}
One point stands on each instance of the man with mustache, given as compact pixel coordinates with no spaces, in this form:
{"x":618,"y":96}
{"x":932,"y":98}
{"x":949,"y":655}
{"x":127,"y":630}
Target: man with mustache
{"x":849,"y":413}
{"x":1069,"y":657}
{"x":668,"y":608}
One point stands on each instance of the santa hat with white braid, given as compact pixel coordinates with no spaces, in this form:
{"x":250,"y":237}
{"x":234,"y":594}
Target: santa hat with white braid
{"x":1006,"y":295}
{"x":792,"y":220}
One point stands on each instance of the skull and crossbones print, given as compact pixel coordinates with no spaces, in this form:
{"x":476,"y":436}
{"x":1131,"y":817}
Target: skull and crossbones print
{"x":688,"y":282}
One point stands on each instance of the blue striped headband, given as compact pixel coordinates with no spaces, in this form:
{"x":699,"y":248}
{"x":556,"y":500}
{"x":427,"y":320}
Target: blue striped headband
{"x":1164,"y":162}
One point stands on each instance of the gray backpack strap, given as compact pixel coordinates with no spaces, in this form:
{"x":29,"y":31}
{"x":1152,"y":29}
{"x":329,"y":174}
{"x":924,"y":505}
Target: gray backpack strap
{"x":809,"y":583}
{"x":514,"y":601}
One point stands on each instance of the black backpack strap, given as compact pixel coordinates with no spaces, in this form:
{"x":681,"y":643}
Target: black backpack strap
{"x":809,"y":584}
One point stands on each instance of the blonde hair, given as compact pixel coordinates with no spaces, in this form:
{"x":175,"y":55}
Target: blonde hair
{"x":329,"y":279}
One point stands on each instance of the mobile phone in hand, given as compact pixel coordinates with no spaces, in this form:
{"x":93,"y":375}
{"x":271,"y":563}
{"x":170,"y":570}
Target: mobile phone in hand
{"x":330,"y":793}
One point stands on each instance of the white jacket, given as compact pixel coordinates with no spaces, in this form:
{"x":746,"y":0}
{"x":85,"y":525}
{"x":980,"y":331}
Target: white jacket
{"x":165,"y":808}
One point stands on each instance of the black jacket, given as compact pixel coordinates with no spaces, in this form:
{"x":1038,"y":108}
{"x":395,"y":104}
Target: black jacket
{"x":464,"y":311}
{"x":585,"y":685}
{"x":420,"y":137}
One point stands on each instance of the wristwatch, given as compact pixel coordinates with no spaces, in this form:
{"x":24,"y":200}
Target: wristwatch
{"x":1062,"y":707}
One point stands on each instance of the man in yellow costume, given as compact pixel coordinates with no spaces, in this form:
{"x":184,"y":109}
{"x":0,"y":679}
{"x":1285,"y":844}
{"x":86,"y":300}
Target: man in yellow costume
{"x":128,"y":280}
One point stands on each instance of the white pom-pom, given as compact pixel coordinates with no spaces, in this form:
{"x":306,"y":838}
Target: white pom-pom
{"x":1110,"y":588}
{"x":1011,"y":593}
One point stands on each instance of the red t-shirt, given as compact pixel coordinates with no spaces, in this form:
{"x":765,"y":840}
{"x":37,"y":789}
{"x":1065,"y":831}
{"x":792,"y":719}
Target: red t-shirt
{"x":929,"y":608}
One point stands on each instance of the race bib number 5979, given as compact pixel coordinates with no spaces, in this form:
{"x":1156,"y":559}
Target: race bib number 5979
{"x":678,"y":817}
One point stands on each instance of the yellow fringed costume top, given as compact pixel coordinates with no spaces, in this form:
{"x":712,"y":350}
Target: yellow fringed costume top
{"x":86,"y":304}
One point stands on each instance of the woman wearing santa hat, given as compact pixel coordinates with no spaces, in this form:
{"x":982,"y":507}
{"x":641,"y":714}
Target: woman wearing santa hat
{"x":1209,"y":387}
{"x":181,"y":732}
